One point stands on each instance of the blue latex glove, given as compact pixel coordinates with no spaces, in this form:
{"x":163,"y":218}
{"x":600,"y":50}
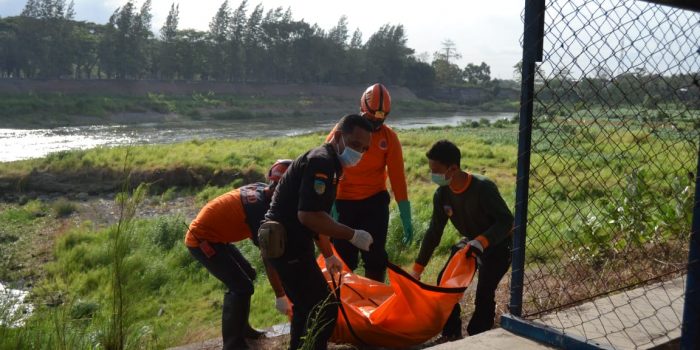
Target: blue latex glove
{"x":405,"y":213}
{"x":334,"y":212}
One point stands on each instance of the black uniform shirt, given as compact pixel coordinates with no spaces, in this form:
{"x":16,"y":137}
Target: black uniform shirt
{"x":309,"y":184}
{"x":255,"y":205}
{"x":479,"y":210}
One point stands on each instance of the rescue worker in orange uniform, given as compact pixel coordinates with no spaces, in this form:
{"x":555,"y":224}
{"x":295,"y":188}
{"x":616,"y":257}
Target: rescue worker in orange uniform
{"x":229,"y":218}
{"x":362,"y":200}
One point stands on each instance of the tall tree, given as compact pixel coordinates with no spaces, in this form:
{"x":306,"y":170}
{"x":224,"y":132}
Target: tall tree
{"x":252,"y":42}
{"x":448,"y":51}
{"x":31,"y":9}
{"x":168,"y":62}
{"x":356,"y":41}
{"x":107,"y":48}
{"x":126,"y":42}
{"x":142,"y":37}
{"x":339,"y":33}
{"x":236,"y":52}
{"x":191,"y":48}
{"x":87,"y":39}
{"x":169,"y":30}
{"x":70,"y":11}
{"x":477,"y":74}
{"x":446,"y":73}
{"x":238,"y":21}
{"x":387,"y":53}
{"x":219,"y":28}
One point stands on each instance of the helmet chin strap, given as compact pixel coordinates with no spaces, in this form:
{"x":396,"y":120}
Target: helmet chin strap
{"x":376,"y":124}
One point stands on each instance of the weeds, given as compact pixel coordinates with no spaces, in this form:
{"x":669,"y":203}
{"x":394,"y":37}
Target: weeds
{"x":63,"y":208}
{"x":318,"y":321}
{"x":625,"y":225}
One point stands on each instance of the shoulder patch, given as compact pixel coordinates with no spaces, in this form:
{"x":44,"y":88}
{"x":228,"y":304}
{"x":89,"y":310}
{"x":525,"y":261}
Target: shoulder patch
{"x":448,"y":210}
{"x":383,"y":145}
{"x":319,"y":186}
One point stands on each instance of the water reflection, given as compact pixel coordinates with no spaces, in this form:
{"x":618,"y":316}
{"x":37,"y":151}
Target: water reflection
{"x":17,"y":144}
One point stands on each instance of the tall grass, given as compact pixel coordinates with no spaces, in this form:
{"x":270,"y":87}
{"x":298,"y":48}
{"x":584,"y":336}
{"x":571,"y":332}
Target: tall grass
{"x":119,"y":322}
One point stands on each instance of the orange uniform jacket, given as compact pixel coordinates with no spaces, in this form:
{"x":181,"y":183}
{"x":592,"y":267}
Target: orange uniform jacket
{"x":222,"y":220}
{"x":384,"y":157}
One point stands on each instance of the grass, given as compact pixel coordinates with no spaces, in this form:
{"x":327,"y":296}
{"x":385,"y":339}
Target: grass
{"x":179,"y":302}
{"x":22,"y":227}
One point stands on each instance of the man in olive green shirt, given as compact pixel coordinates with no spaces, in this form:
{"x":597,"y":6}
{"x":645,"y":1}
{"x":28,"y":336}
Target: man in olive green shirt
{"x":476,"y":209}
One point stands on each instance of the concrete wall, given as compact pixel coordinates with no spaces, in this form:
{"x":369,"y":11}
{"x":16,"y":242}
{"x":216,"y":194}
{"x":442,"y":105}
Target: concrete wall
{"x":141,"y":87}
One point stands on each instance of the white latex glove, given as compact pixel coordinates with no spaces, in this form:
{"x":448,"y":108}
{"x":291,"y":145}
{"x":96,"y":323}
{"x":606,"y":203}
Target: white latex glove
{"x":283,"y":305}
{"x":361,"y":239}
{"x":333,"y":264}
{"x":476,"y":250}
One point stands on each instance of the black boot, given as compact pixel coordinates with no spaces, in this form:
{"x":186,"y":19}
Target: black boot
{"x":252,"y":333}
{"x":248,"y":331}
{"x":234,"y":320}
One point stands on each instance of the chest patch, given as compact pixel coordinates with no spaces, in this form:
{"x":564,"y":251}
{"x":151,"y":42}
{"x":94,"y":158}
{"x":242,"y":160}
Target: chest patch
{"x":383,"y":145}
{"x":448,"y":210}
{"x":320,"y":186}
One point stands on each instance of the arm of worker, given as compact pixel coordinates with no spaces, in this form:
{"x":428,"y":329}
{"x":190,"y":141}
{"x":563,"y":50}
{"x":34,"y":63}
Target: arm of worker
{"x":320,"y":221}
{"x":274,"y":279}
{"x":397,"y":177}
{"x":333,"y":263}
{"x":282,"y":303}
{"x":497,"y":209}
{"x":316,"y":196}
{"x":432,"y":236}
{"x":395,"y":167}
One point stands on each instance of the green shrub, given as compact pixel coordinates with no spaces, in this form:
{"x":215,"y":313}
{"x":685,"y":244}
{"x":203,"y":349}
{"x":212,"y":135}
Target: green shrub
{"x":166,"y":232}
{"x":169,"y":194}
{"x":63,"y":208}
{"x":83,"y":309}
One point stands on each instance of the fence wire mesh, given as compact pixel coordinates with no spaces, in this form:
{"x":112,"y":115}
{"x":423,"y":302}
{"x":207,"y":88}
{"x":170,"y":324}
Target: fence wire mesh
{"x":616,"y":131}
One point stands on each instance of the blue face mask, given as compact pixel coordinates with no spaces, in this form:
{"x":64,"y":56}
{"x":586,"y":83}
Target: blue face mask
{"x":440,"y":179}
{"x":349,"y":158}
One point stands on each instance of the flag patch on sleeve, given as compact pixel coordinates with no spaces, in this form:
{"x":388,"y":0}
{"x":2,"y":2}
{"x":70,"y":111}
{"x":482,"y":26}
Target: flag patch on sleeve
{"x":319,"y":186}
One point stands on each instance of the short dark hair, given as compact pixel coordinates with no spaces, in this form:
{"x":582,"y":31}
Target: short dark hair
{"x":445,"y":152}
{"x":348,"y":123}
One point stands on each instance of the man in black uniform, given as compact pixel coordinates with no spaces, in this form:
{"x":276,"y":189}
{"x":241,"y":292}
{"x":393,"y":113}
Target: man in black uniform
{"x":301,"y":203}
{"x":476,"y":209}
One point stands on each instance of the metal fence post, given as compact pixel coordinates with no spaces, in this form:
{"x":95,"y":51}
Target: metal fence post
{"x":690,"y":330}
{"x":532,"y":52}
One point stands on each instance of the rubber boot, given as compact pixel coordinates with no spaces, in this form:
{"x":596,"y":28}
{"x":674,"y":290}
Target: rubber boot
{"x":252,"y":333}
{"x":377,"y":275}
{"x":234,"y":319}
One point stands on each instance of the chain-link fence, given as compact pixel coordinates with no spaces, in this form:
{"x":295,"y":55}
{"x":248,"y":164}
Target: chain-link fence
{"x":615,"y":135}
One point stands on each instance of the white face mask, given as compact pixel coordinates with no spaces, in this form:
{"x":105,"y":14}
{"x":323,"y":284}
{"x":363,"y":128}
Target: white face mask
{"x":349,"y":158}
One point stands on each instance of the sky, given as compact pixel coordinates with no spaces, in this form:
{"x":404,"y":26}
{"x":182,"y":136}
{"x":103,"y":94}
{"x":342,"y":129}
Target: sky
{"x":487,"y":31}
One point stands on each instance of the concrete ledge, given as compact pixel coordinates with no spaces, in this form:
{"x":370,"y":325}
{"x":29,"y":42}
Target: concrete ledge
{"x":495,"y":339}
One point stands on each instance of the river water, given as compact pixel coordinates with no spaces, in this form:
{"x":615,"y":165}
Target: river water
{"x":18,"y":144}
{"x":13,"y":310}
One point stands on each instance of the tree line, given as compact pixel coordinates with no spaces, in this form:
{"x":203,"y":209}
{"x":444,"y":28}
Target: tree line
{"x":243,"y":44}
